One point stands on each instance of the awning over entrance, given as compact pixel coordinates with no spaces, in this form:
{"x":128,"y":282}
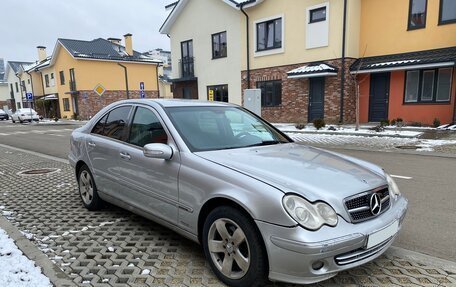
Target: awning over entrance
{"x":445,"y":57}
{"x":50,"y":97}
{"x":312,"y":70}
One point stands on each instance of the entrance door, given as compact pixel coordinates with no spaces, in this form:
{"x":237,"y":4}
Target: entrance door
{"x":316,"y":98}
{"x":379,"y":94}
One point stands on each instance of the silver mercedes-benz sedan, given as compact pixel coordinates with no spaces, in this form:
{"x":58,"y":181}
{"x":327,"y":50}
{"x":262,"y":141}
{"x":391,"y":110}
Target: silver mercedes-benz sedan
{"x":261,"y":205}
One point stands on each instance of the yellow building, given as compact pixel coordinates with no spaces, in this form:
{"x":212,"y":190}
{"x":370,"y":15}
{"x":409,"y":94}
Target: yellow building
{"x":406,"y":62}
{"x":85,"y":76}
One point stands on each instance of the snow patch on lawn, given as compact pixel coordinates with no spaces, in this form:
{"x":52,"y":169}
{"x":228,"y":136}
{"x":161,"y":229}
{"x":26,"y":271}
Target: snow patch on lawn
{"x":16,"y":269}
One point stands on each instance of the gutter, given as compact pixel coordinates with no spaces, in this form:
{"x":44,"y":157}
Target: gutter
{"x":342,"y":74}
{"x":126,"y":79}
{"x":241,"y":7}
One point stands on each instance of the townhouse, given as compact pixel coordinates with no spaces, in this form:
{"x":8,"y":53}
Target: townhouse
{"x":16,"y":84}
{"x":407,"y":58}
{"x":308,"y":58}
{"x":4,"y":92}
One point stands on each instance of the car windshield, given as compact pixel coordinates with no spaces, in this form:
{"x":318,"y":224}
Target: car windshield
{"x":216,"y":128}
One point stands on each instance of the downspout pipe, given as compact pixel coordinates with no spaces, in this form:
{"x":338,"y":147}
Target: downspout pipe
{"x":342,"y":74}
{"x":126,"y":79}
{"x":247,"y":43}
{"x":158,"y":82}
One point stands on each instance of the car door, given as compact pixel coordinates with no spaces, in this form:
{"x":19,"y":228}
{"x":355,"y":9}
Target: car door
{"x":149,"y":184}
{"x":103,"y":144}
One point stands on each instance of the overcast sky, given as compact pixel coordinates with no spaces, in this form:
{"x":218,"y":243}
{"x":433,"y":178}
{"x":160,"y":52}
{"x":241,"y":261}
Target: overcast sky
{"x":29,"y":23}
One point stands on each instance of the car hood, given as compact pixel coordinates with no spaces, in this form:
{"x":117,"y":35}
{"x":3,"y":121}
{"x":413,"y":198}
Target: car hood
{"x":313,"y":173}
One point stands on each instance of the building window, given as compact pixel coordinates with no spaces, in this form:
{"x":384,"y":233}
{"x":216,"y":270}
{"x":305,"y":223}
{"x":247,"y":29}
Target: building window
{"x":28,"y":81}
{"x":317,"y":15}
{"x":417,"y":14}
{"x":17,"y":87}
{"x":66,"y":104}
{"x":219,"y":45}
{"x":62,"y":78}
{"x":269,"y":35}
{"x":428,"y":86}
{"x":271,"y":93}
{"x":23,"y":86}
{"x":46,"y":80}
{"x":218,"y":93}
{"x":447,"y":12}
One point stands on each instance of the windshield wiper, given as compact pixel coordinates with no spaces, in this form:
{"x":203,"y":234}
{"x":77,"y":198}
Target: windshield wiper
{"x":266,"y":143}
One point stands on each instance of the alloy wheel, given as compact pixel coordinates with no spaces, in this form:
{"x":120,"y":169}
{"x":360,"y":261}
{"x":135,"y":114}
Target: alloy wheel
{"x":86,"y":187}
{"x":229,"y":248}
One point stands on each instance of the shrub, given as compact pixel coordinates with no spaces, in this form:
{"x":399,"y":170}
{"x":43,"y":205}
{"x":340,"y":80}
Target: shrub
{"x":436,"y":123}
{"x":319,"y":123}
{"x":300,"y":126}
{"x":332,"y":128}
{"x":378,"y":128}
{"x":384,"y":122}
{"x":399,"y":120}
{"x":393,"y":122}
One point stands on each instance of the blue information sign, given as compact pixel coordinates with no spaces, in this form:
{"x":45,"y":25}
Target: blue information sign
{"x":141,"y":88}
{"x":29,"y":97}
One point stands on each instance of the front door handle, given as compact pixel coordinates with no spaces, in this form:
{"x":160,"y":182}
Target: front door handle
{"x":91,"y":144}
{"x":125,"y":155}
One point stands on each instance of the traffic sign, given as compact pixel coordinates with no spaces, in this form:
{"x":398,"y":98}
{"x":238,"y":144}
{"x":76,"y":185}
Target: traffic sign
{"x":141,"y":87}
{"x":29,"y":97}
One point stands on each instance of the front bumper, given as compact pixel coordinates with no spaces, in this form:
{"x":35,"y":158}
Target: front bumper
{"x":299,"y":256}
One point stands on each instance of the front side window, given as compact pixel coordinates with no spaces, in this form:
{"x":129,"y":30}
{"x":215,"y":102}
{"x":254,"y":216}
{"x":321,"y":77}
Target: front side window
{"x":447,"y":12}
{"x":428,"y":86}
{"x":146,"y":128}
{"x":269,"y":35}
{"x":17,"y":88}
{"x":46,"y":80}
{"x":215,"y":128}
{"x":219,"y":45}
{"x":116,"y":123}
{"x":271,"y":93}
{"x":417,"y":14}
{"x":218,"y":93}
{"x":317,"y":15}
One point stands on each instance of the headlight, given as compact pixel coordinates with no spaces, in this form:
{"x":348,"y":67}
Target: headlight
{"x":393,"y":188}
{"x":309,"y":215}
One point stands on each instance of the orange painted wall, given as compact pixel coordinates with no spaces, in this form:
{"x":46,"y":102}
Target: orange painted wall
{"x":410,"y":112}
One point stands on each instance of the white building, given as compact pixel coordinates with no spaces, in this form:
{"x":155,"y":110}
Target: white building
{"x":15,"y":86}
{"x":206,"y":59}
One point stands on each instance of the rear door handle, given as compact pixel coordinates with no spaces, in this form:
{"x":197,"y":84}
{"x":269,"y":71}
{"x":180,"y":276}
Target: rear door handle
{"x":125,"y":155}
{"x":91,"y":144}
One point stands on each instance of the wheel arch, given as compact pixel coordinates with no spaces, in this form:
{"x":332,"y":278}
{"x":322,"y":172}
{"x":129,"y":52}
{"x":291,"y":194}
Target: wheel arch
{"x":78,"y":167}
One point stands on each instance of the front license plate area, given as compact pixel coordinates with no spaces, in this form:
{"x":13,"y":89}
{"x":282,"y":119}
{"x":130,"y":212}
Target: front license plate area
{"x":382,"y":235}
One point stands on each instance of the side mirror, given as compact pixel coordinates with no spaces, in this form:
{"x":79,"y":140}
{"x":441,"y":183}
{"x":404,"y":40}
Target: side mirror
{"x":158,"y":150}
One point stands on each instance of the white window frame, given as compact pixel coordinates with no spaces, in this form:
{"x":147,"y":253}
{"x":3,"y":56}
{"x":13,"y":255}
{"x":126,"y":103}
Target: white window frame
{"x":271,"y":51}
{"x":308,"y":24}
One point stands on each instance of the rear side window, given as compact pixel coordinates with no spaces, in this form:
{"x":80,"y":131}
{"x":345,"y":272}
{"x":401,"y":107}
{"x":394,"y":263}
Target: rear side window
{"x":116,"y":123}
{"x":99,"y":127}
{"x":146,"y":128}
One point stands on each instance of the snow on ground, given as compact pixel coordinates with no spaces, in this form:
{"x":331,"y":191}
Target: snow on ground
{"x":372,"y":142}
{"x":16,"y":270}
{"x":349,"y":129}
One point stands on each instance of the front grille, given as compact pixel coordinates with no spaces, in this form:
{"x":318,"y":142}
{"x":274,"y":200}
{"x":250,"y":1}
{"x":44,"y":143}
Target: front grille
{"x":360,"y":253}
{"x":358,"y":206}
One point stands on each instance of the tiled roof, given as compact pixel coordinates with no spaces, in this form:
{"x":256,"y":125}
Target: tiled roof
{"x":102,"y":49}
{"x":312,"y":69}
{"x":17,"y":66}
{"x":405,"y":60}
{"x":38,"y":65}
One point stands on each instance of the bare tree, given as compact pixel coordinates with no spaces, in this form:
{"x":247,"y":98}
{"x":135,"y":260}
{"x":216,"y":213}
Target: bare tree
{"x":358,"y":82}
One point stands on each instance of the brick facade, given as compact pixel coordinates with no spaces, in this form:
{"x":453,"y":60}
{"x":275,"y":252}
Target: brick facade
{"x":89,"y":102}
{"x":295,"y":94}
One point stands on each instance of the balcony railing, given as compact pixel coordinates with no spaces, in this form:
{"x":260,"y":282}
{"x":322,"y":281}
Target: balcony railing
{"x":73,"y":86}
{"x":187,"y":67}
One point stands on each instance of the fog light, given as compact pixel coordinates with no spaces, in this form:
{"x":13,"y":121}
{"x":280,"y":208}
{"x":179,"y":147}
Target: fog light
{"x":317,"y":265}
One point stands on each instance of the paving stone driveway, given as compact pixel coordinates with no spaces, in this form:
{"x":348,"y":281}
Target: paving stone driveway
{"x":114,"y":247}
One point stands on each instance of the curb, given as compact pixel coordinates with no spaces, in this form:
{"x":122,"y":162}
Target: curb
{"x":49,"y":269}
{"x":349,"y":134}
{"x":398,"y":151}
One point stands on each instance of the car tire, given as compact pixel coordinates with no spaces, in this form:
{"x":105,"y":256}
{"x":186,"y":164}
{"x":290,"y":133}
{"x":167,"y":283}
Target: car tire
{"x":13,"y":121}
{"x":88,"y":190}
{"x":234,"y":248}
{"x":20,"y":121}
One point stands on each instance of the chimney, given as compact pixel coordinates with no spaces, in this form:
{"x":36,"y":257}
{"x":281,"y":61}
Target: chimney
{"x":114,"y":40}
{"x":41,"y":53}
{"x":128,"y":44}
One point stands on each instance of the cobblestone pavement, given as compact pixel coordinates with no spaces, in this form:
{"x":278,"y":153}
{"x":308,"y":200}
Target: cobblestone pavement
{"x":447,"y":146}
{"x":114,"y":247}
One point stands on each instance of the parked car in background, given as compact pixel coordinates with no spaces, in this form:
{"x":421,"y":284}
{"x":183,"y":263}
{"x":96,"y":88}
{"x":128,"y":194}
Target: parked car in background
{"x":261,"y":205}
{"x":3,"y":115}
{"x":26,"y":114}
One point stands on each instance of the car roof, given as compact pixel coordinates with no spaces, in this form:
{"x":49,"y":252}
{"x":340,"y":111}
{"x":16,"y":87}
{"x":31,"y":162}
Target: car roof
{"x":178,"y":103}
